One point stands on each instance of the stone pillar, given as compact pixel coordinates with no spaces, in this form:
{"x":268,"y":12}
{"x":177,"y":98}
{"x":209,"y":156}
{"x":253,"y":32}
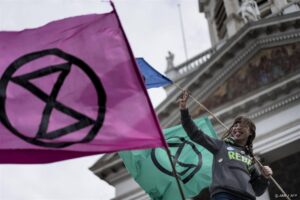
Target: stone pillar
{"x":277,"y":5}
{"x":208,"y":10}
{"x":233,"y":22}
{"x":212,"y":30}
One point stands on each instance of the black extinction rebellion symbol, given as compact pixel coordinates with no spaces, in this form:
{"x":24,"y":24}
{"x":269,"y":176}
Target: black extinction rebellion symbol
{"x":184,"y":168}
{"x":42,"y":137}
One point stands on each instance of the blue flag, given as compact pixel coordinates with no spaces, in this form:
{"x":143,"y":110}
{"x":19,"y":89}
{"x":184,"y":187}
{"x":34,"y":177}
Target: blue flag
{"x":152,"y":77}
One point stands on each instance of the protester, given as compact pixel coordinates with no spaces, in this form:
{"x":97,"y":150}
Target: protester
{"x":235,"y":176}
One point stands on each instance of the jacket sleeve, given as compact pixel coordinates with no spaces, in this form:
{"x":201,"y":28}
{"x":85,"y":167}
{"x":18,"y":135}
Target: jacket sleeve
{"x":258,"y":181}
{"x":197,"y":135}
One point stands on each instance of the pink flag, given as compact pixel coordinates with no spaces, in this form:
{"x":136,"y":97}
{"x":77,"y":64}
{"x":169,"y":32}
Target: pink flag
{"x":72,"y":88}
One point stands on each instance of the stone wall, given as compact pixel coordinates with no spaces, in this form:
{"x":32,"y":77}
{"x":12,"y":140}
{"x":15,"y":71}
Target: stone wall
{"x":287,"y":174}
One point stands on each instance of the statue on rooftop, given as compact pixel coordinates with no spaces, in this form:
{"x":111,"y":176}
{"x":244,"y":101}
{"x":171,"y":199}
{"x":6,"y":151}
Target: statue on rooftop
{"x":170,"y":61}
{"x":249,"y":11}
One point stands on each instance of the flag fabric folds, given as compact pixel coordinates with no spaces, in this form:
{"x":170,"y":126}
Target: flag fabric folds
{"x":152,"y":170}
{"x":72,"y":88}
{"x":151,"y":77}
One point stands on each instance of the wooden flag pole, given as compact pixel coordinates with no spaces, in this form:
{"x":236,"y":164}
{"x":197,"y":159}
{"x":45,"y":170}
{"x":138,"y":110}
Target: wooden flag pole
{"x":182,"y":32}
{"x":273,"y":180}
{"x":217,"y":119}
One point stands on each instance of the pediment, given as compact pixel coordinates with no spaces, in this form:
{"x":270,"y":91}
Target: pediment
{"x":209,"y":78}
{"x":266,"y":68}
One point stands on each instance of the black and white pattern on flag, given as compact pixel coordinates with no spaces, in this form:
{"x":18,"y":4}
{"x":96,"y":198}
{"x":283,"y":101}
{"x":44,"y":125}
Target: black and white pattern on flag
{"x":42,"y":137}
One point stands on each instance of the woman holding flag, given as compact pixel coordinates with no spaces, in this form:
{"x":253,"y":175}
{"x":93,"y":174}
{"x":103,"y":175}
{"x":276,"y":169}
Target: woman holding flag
{"x":235,"y":176}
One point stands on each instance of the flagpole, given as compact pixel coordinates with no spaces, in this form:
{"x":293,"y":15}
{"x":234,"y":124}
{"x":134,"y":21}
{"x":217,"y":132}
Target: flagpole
{"x":182,"y":32}
{"x":216,"y":118}
{"x":273,"y":180}
{"x":203,"y":107}
{"x":175,"y":174}
{"x":141,"y":79}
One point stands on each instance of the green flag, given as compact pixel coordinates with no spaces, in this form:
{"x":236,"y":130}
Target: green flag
{"x":152,"y":170}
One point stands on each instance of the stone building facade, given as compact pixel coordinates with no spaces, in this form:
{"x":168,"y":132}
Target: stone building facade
{"x":253,"y":69}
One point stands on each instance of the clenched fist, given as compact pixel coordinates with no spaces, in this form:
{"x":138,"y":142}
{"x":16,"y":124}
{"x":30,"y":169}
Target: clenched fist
{"x":267,"y":171}
{"x":183,"y":100}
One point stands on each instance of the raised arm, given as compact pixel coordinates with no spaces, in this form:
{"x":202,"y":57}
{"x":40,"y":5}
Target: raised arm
{"x":194,"y":133}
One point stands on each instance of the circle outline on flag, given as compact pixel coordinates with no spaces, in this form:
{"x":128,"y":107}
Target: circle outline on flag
{"x":179,"y":144}
{"x":19,"y":62}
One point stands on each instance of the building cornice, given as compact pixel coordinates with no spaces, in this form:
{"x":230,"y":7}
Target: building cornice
{"x":211,"y":75}
{"x":286,"y":92}
{"x":278,"y":138}
{"x":107,"y":167}
{"x":137,"y":194}
{"x":242,"y":108}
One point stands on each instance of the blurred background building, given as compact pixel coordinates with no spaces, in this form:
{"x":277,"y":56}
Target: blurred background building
{"x":252,"y":69}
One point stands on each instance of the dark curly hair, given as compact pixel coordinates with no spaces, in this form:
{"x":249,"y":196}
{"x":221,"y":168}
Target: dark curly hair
{"x":249,"y":123}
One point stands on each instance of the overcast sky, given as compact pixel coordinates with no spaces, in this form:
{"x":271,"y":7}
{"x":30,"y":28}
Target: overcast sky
{"x":152,"y":27}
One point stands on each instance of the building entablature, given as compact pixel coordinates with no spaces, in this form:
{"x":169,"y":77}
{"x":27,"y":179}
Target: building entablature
{"x":234,"y":53}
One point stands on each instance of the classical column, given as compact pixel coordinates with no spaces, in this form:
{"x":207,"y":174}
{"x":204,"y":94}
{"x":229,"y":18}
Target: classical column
{"x":212,"y":30}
